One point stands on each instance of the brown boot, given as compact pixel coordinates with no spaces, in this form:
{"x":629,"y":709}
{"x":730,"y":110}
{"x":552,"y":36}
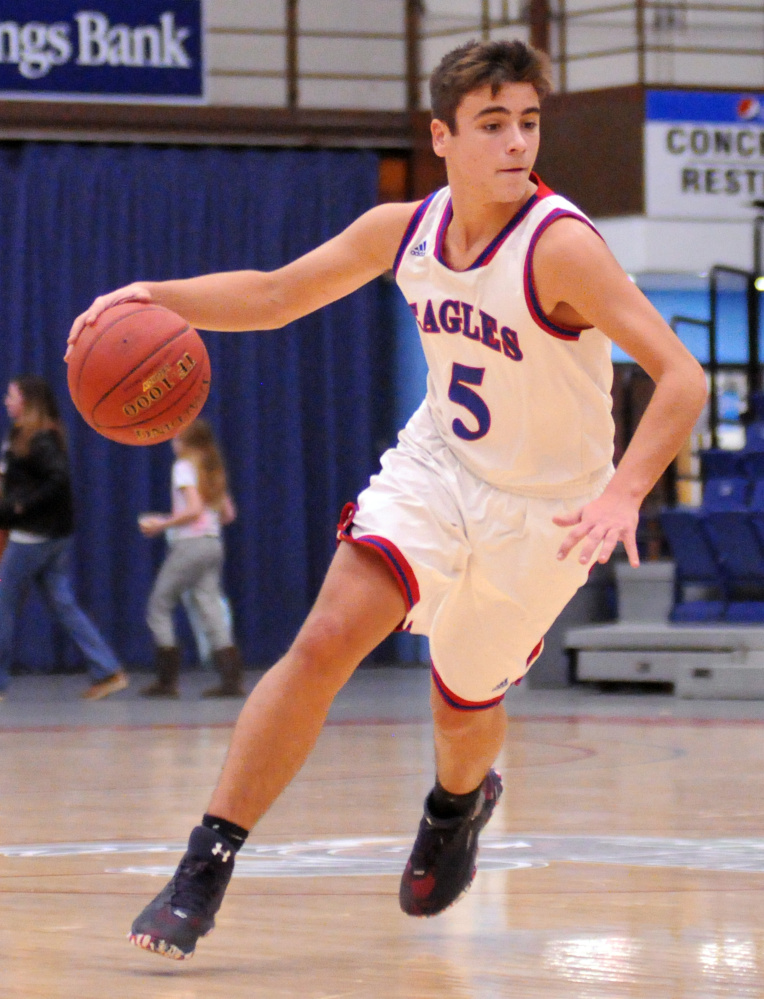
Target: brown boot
{"x":231,"y":669}
{"x":168,"y":668}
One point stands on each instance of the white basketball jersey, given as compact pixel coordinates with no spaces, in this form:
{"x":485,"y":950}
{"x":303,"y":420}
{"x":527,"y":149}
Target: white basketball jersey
{"x":524,"y":403}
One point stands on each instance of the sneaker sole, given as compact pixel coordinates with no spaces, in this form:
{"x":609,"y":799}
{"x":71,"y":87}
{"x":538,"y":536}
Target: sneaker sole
{"x":158,"y":946}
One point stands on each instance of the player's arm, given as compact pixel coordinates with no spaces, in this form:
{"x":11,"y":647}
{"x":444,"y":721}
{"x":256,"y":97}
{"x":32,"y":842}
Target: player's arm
{"x":259,"y":300}
{"x":579,"y":280}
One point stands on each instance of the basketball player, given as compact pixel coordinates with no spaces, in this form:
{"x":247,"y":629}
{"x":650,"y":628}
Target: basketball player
{"x":500,"y":493}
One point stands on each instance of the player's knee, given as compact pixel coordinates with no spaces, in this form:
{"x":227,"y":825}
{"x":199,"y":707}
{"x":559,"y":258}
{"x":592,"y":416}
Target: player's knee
{"x":324,"y":645}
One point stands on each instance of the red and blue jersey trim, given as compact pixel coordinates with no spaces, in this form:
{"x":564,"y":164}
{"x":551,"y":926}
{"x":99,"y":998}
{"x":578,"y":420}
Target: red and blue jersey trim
{"x":537,"y":650}
{"x":411,"y":228}
{"x":392,"y":556}
{"x":487,"y":255}
{"x":459,"y":702}
{"x":570,"y":333}
{"x":463,"y":705}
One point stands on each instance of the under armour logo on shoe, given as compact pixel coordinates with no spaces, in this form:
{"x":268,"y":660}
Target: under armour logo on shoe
{"x":219,"y":851}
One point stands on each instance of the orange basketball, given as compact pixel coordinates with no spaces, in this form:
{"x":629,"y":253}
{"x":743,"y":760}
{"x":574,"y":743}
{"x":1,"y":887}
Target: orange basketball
{"x":139,"y":374}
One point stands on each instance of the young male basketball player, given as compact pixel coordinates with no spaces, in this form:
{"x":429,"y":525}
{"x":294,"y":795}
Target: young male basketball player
{"x":467,"y":533}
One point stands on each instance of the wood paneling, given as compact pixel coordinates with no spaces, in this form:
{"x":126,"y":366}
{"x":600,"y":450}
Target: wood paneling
{"x":592,"y":149}
{"x":171,"y":124}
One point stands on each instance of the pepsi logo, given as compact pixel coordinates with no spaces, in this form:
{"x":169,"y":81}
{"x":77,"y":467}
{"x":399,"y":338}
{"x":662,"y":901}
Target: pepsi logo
{"x":748,"y":108}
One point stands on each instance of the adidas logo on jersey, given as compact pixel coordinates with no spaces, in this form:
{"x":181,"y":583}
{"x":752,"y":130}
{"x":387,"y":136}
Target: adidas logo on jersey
{"x":419,"y":251}
{"x":500,"y":686}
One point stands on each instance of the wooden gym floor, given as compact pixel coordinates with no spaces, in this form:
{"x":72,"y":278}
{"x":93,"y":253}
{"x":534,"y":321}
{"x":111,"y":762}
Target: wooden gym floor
{"x":626,"y":858}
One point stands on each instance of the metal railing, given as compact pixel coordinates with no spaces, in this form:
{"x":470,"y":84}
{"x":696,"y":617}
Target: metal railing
{"x":746,"y":287}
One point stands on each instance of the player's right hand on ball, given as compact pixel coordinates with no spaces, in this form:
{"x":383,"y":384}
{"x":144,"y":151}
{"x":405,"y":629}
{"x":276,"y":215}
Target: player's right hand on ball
{"x":130,"y":293}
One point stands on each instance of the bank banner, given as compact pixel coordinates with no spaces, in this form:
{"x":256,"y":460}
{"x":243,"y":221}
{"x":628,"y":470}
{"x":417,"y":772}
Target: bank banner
{"x":141,"y":50}
{"x":704,"y":154}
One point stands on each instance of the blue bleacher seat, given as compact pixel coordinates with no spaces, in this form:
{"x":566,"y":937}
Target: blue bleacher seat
{"x":744,"y":611}
{"x":720,"y":545}
{"x":756,"y":502}
{"x":754,"y":436}
{"x":696,"y":563}
{"x":728,"y":493}
{"x":719,"y":463}
{"x":739,"y":545}
{"x":756,"y":406}
{"x":756,"y":508}
{"x":753,"y":462}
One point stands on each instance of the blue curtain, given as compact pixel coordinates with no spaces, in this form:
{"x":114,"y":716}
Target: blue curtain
{"x":296,"y":409}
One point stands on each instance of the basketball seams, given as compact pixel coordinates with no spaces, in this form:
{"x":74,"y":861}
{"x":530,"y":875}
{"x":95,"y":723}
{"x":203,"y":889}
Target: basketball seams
{"x":154,"y":352}
{"x":155,"y":373}
{"x":144,"y":360}
{"x":156,"y":414}
{"x":96,"y":340}
{"x":202,"y":386}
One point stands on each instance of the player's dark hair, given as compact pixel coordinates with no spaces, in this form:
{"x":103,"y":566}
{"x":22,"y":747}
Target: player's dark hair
{"x":199,"y":438}
{"x":479,"y":64}
{"x":40,"y":412}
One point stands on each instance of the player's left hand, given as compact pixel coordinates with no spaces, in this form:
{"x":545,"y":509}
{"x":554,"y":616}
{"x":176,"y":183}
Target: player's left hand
{"x":601,"y":524}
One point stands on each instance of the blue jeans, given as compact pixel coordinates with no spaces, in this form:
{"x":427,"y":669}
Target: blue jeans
{"x":46,"y":564}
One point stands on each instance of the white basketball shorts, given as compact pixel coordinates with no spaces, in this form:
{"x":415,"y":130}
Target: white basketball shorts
{"x":477,"y":566}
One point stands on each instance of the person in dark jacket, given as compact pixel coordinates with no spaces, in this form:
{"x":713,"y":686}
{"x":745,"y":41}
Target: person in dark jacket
{"x":36,"y":510}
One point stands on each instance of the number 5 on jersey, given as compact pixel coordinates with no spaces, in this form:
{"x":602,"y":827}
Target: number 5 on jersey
{"x":459,"y":391}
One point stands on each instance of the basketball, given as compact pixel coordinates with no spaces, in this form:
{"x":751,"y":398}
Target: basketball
{"x":139,"y":374}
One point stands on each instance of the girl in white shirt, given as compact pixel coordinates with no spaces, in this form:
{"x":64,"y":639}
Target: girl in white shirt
{"x":201,"y":505}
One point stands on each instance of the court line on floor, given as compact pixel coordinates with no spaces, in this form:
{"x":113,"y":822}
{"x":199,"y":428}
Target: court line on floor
{"x":568,"y":719}
{"x":385,"y":855}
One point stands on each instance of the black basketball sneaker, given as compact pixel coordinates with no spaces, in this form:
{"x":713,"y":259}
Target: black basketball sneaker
{"x":442,"y":864}
{"x":185,"y":908}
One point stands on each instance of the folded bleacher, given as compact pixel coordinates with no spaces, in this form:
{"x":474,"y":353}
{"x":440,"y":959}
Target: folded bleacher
{"x":718,"y":547}
{"x":708,"y":641}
